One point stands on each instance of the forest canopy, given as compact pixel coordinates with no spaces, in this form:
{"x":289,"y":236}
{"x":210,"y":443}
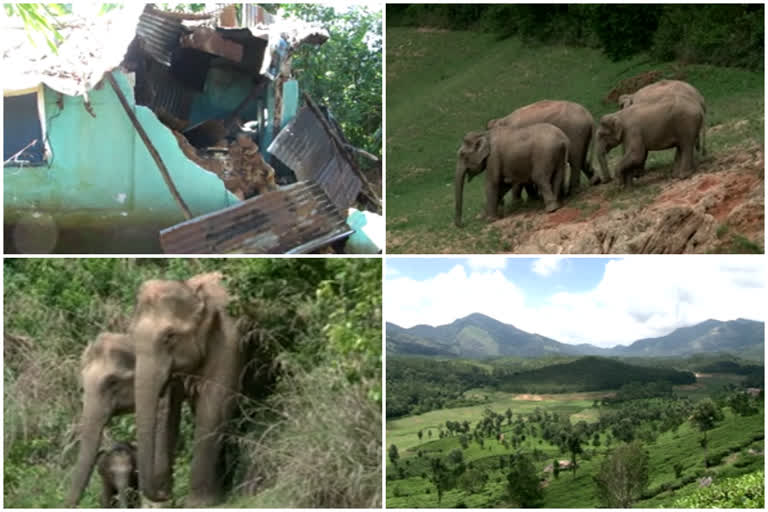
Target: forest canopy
{"x":722,"y":35}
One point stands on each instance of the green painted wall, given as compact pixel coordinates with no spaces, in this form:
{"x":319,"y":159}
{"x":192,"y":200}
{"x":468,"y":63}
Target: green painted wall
{"x":100,"y":164}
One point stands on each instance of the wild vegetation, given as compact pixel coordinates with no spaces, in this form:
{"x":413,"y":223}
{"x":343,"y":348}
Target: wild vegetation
{"x":671,"y":441}
{"x":452,"y":68}
{"x":313,"y":331}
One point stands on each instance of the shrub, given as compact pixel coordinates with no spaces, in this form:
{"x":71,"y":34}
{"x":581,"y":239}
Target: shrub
{"x":747,"y":491}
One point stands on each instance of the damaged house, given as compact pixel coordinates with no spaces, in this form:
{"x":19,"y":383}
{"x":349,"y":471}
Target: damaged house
{"x":158,"y":131}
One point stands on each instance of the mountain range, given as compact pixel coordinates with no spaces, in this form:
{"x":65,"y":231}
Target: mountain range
{"x":478,"y":336}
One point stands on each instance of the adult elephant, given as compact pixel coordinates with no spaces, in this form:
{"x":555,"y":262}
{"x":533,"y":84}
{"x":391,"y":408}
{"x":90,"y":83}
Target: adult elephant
{"x":573,"y":119}
{"x":665,"y":89}
{"x":511,"y":157}
{"x":673,"y":122}
{"x":182,"y":327}
{"x":107,"y":375}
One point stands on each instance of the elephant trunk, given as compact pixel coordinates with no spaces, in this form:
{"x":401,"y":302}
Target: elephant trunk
{"x":149,"y":385}
{"x":461,"y":171}
{"x":95,"y":416}
{"x":601,"y":151}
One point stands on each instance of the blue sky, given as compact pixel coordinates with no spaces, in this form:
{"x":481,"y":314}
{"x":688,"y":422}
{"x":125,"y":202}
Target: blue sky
{"x":604,"y":301}
{"x":570,"y":274}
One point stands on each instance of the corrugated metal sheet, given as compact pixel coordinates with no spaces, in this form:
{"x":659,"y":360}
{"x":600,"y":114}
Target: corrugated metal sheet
{"x":159,"y":35}
{"x":306,"y":148}
{"x":158,"y":89}
{"x":298,"y":218}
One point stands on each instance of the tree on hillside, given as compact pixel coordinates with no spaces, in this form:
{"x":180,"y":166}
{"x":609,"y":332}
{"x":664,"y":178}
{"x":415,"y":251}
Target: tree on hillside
{"x":623,"y":476}
{"x":556,"y":469}
{"x":574,"y":447}
{"x":473,"y":481}
{"x":393,"y":455}
{"x":420,"y":433}
{"x":441,"y":477}
{"x":706,"y":414}
{"x":741,"y":404}
{"x":523,"y":486}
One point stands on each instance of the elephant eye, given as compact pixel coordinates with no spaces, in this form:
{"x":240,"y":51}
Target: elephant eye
{"x":168,"y":338}
{"x":110,"y":382}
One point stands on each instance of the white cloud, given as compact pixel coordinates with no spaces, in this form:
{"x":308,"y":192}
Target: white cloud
{"x":450,"y":295}
{"x":390,"y":271}
{"x":638,"y":297}
{"x":487,"y":262}
{"x":546,"y":265}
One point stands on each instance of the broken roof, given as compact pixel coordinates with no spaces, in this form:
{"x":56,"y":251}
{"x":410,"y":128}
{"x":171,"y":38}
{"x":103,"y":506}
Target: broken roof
{"x":97,"y":44}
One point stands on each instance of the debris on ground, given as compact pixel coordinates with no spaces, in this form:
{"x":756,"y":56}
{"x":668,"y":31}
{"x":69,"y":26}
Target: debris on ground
{"x":718,"y":209}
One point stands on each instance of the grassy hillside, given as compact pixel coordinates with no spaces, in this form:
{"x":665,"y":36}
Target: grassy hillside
{"x":442,"y":84}
{"x":734,"y":447}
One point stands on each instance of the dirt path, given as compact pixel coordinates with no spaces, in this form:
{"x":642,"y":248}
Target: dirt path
{"x":719,"y":209}
{"x":591,"y":395}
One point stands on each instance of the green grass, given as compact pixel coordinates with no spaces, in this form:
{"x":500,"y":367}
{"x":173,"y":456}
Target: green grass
{"x":732,"y":438}
{"x":404,"y":432}
{"x":441,"y":85}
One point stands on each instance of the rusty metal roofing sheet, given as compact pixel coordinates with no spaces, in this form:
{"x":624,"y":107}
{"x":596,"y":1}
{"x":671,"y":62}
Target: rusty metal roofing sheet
{"x":158,"y":89}
{"x":306,"y":148}
{"x":159,"y":35}
{"x":295,"y":219}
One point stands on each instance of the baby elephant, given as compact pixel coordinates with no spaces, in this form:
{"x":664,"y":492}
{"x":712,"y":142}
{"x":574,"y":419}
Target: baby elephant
{"x":119,"y":477}
{"x":512,"y":157}
{"x":672,"y":122}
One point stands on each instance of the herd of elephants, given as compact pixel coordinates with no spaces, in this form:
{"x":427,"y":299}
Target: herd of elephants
{"x":181,"y":345}
{"x":545,"y":146}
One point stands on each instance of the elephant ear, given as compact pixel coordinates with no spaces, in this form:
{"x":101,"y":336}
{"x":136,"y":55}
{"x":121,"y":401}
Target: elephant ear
{"x":612,"y":125}
{"x":481,"y":146}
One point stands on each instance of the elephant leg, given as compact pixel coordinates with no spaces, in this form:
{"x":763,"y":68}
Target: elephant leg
{"x":557,"y":179}
{"x":676,"y":168}
{"x":503,"y":189}
{"x":107,"y":492}
{"x":213,"y":408}
{"x":632,"y":161}
{"x":576,"y":160}
{"x":545,"y":188}
{"x":492,"y":191}
{"x":686,"y":161}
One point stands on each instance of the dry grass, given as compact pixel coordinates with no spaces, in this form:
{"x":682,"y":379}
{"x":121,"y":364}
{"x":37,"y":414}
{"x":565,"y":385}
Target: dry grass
{"x":324,"y":450}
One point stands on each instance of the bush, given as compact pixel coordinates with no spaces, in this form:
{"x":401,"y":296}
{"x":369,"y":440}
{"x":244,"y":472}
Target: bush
{"x":747,"y":491}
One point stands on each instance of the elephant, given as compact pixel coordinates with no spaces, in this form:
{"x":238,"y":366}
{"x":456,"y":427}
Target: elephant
{"x":663,"y":89}
{"x":573,"y":119}
{"x":673,"y":122}
{"x":182,"y":327}
{"x":107,"y":375}
{"x":119,"y":477}
{"x":513,"y":156}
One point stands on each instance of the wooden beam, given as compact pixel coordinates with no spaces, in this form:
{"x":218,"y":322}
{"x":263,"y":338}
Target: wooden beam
{"x":150,"y":147}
